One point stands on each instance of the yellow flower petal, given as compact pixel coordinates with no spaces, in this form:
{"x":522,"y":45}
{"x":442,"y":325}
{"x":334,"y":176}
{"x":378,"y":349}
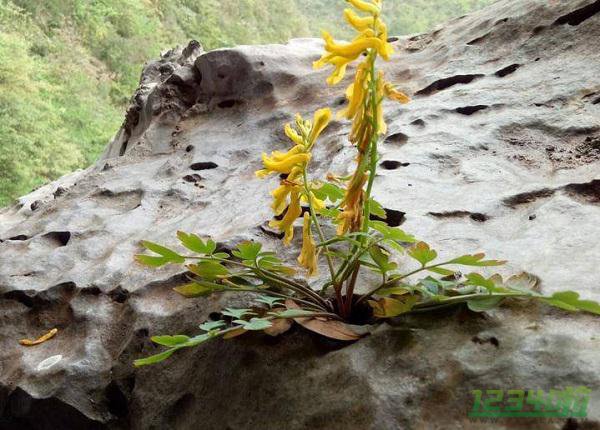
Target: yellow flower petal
{"x":293,"y":135}
{"x":285,"y":165}
{"x":321,"y":119}
{"x":394,"y":94}
{"x":358,"y":22}
{"x":308,"y":257}
{"x":286,"y":225}
{"x":366,"y":6}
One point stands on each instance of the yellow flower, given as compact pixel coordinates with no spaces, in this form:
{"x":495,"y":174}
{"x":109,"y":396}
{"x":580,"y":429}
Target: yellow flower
{"x":392,"y":93}
{"x":309,"y":255}
{"x":286,"y":225}
{"x":367,"y":6}
{"x":284,"y":164}
{"x":321,"y":120}
{"x":351,"y":217}
{"x":358,"y":22}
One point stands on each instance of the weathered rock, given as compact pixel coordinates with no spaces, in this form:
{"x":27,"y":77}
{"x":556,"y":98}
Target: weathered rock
{"x":498,"y":151}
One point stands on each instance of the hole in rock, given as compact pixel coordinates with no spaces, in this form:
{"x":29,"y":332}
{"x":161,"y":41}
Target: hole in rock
{"x":537,"y":30}
{"x":578,"y":16}
{"x":470,"y":110}
{"x":118,"y":404}
{"x":226,"y":104}
{"x":204,"y":165}
{"x":491,"y":340}
{"x":418,"y":123}
{"x":478,"y":39}
{"x":524,"y":198}
{"x":189,"y":148}
{"x":119,"y":295}
{"x":192,"y":178}
{"x":392,"y":39}
{"x":397,"y":139}
{"x":123,"y":148}
{"x":507,"y":70}
{"x":24,"y":297}
{"x":501,"y":21}
{"x":393,"y":164}
{"x":19,"y":237}
{"x":60,"y":238}
{"x":475,"y":216}
{"x":597,"y":101}
{"x":266,"y":229}
{"x":590,"y":191}
{"x":445,"y":83}
{"x":393,"y":218}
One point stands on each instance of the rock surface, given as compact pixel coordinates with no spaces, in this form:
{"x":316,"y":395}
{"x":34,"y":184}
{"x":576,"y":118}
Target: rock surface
{"x":499,"y":151}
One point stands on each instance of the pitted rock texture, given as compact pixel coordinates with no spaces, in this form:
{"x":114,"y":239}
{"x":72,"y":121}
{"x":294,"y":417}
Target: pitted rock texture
{"x":498,"y":151}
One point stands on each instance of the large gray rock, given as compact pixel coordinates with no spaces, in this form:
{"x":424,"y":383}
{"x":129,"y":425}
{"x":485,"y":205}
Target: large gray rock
{"x":499,"y":151}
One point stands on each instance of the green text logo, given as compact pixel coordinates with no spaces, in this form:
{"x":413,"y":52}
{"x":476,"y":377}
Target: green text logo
{"x":566,"y":403}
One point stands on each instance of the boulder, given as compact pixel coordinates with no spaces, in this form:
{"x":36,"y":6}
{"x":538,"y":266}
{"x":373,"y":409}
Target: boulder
{"x":499,"y":151}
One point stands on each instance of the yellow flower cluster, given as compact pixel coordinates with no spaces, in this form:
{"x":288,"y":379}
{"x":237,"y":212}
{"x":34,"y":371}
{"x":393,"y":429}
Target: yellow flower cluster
{"x":293,"y":191}
{"x":365,"y":94}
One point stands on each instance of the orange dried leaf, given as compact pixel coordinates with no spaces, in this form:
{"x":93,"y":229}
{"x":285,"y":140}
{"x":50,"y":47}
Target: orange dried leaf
{"x":44,"y":338}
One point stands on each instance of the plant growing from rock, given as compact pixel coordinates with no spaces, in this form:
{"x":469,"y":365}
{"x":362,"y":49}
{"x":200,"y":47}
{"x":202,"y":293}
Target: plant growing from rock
{"x":361,"y":243}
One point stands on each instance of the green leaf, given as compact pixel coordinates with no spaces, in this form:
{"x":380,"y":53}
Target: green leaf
{"x":153,"y":359}
{"x":237,"y":313}
{"x":170,"y":340}
{"x":209,"y":270}
{"x":569,"y":300}
{"x":198,"y":288}
{"x":442,"y":271}
{"x":201,"y":338}
{"x":152,"y":261}
{"x":381,"y":259}
{"x":221,"y":255}
{"x":294,"y":313}
{"x":484,"y":303}
{"x":388,"y":307}
{"x":212,"y":325}
{"x":269,"y":300}
{"x":422,"y":253}
{"x":195,"y":244}
{"x":480,"y":281}
{"x":376,"y":209}
{"x":172,"y":256}
{"x":332,"y":213}
{"x":255,"y":324}
{"x":475,"y":260}
{"x":392,"y":233}
{"x":247,"y":250}
{"x":329,"y":191}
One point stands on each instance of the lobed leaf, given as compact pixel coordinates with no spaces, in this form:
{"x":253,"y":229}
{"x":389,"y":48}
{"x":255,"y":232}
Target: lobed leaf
{"x":237,"y":313}
{"x":570,"y":301}
{"x":475,"y":260}
{"x":209,"y":270}
{"x":153,"y":359}
{"x":247,"y":250}
{"x":388,"y":307}
{"x":196,"y":244}
{"x":212,"y":325}
{"x":255,"y":324}
{"x":198,"y":288}
{"x":422,"y":253}
{"x":167,"y":253}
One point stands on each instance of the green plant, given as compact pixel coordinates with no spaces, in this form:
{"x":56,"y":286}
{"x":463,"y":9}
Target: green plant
{"x":361,"y":243}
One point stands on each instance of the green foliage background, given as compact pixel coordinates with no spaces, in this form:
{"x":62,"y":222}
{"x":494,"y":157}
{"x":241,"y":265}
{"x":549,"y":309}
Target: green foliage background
{"x":68,"y":67}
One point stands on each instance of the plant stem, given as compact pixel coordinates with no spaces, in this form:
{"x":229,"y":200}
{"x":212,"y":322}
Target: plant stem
{"x":315,"y":221}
